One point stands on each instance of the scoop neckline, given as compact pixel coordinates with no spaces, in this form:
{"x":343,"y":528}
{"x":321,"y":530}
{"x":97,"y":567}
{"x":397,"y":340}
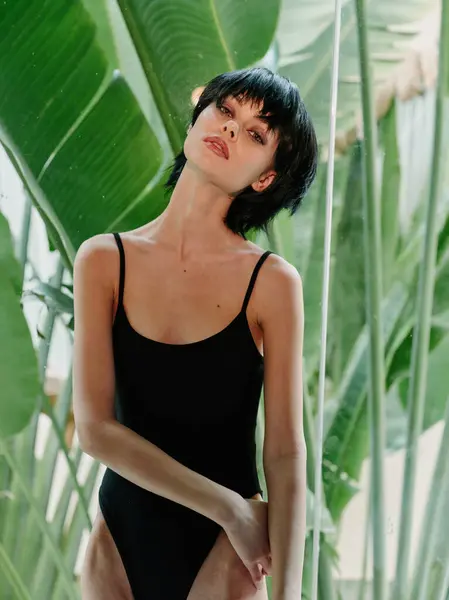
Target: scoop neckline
{"x":239,"y":315}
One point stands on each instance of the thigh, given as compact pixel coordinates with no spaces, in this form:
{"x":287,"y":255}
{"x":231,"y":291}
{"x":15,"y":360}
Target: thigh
{"x":103,"y":576}
{"x":223,"y":576}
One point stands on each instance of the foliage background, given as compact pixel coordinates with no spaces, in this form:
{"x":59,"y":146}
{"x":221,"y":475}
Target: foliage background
{"x":93,"y":104}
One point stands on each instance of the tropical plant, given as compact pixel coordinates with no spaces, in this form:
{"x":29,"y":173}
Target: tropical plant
{"x":94,"y":100}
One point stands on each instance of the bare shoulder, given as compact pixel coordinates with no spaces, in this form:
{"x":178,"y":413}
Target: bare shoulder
{"x":277,"y":275}
{"x":95,"y":272}
{"x":277,"y":265}
{"x":97,"y":258}
{"x":279,"y":289}
{"x":280,"y":271}
{"x":97,"y":248}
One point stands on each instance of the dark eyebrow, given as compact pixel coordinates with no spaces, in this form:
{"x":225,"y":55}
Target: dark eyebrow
{"x":263,"y":119}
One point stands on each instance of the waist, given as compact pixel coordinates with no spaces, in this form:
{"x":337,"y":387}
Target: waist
{"x":216,"y":450}
{"x":118,"y":493}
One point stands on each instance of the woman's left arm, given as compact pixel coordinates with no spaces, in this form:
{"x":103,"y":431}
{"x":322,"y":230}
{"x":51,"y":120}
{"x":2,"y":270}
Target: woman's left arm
{"x":281,"y":317}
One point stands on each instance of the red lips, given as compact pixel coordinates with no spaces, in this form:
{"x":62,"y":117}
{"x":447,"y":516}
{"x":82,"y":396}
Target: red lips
{"x":218,"y":141}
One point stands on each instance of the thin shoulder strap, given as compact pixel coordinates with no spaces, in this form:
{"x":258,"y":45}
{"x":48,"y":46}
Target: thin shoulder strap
{"x":253,"y":278}
{"x":122,"y":268}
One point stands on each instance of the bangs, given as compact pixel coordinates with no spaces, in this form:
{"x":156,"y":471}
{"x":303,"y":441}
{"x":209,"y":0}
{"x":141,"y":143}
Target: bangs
{"x":273,"y":94}
{"x":280,"y":106}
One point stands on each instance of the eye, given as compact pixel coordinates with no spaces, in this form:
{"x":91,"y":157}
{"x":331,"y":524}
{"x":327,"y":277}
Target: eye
{"x":223,"y":109}
{"x":257,"y":137}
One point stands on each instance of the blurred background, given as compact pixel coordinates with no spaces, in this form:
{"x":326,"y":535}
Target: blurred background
{"x":95,"y":98}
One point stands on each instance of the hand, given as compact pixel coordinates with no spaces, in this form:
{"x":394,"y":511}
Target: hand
{"x":248,"y":534}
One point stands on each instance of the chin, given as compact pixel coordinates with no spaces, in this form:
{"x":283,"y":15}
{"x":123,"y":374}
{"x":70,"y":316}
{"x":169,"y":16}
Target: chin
{"x":211,"y":168}
{"x":201,"y":162}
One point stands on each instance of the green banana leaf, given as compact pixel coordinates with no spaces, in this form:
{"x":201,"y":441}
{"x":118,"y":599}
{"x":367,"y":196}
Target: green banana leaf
{"x":90,"y":158}
{"x":346,"y":444}
{"x":305,"y":36}
{"x":390,"y":195}
{"x":18,"y":362}
{"x":78,"y":137}
{"x":348,"y":287}
{"x":346,"y":440}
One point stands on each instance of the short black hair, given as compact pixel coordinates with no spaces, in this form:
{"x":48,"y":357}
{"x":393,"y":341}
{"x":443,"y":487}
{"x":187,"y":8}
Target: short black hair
{"x":295,"y":159}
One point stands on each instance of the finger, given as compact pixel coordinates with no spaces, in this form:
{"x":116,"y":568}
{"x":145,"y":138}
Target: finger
{"x":266,"y":566}
{"x":256,"y":575}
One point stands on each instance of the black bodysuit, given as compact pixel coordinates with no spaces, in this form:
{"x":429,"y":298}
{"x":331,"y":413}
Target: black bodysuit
{"x":198,"y":402}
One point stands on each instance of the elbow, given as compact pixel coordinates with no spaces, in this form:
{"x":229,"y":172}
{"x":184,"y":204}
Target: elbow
{"x":84,"y":441}
{"x":287,"y":476}
{"x":88,"y":438}
{"x":298,"y":455}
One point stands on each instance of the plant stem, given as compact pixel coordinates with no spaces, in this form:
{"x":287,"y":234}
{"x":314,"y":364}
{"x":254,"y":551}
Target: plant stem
{"x":373,"y":280}
{"x":421,"y":332}
{"x":431,"y":522}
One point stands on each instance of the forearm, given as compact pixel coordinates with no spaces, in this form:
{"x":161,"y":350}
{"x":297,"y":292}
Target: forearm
{"x":286,"y":484}
{"x":146,"y":465}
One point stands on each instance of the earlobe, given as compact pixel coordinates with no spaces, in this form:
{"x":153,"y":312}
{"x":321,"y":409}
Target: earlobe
{"x":264,"y":182}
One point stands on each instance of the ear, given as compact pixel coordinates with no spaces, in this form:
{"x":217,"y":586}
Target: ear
{"x":195,"y":96}
{"x":264,"y":181}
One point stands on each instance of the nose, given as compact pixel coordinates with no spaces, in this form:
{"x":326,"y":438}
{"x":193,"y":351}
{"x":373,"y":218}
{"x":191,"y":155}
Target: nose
{"x":230,"y":129}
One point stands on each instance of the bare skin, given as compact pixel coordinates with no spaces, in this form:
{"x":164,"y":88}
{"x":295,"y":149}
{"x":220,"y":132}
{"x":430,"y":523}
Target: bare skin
{"x":186,"y":276}
{"x":222,"y":576}
{"x":149,"y":269}
{"x":182,"y":302}
{"x":103,"y":574}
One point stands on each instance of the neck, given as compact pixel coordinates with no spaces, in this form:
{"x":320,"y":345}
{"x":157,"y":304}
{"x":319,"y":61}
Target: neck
{"x":192,"y":224}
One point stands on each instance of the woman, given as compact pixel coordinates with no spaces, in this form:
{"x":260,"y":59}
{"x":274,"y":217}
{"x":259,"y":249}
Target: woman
{"x":178,"y":324}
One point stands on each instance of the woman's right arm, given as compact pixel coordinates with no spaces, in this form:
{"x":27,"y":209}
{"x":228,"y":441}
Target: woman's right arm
{"x":96,"y":269}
